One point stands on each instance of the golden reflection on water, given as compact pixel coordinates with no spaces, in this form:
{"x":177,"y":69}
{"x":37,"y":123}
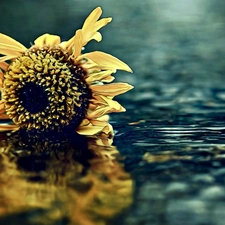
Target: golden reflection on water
{"x":81,"y":182}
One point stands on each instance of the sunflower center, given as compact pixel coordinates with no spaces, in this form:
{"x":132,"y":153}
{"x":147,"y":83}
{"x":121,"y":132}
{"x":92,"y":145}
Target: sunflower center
{"x":45,"y":90}
{"x":33,"y":97}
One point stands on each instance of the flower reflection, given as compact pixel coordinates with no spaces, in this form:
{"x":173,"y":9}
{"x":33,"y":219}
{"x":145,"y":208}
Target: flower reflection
{"x":78,"y":182}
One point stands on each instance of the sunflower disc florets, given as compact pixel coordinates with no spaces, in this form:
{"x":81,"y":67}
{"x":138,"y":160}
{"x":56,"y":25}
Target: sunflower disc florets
{"x":45,"y":90}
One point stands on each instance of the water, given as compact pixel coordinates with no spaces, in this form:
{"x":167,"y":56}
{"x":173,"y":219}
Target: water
{"x":166,"y":163}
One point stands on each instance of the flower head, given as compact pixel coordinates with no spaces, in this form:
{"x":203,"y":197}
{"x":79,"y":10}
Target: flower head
{"x":52,"y":86}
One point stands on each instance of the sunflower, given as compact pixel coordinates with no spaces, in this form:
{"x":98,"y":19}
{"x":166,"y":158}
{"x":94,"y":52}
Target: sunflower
{"x":53,"y":86}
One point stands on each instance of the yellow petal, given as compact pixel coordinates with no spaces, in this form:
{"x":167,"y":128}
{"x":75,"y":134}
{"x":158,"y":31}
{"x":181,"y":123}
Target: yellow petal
{"x":93,"y":67}
{"x":47,"y":40}
{"x":92,"y":18}
{"x":68,"y":45}
{"x":85,"y":122}
{"x":115,"y":106}
{"x":4,"y":117}
{"x":100,"y":100}
{"x":92,"y":127}
{"x":2,"y":107}
{"x":101,"y":23}
{"x":99,"y":112}
{"x":89,"y":130}
{"x":108,"y":79}
{"x":10,"y":50}
{"x":78,"y":40}
{"x":104,"y":118}
{"x":7,"y":57}
{"x":108,"y":130}
{"x":106,"y":111}
{"x":99,"y":122}
{"x":96,"y":36}
{"x":91,"y":26}
{"x":4,"y":39}
{"x":107,"y":107}
{"x":98,"y":76}
{"x":105,"y":59}
{"x":1,"y":78}
{"x":3,"y":65}
{"x":7,"y":127}
{"x":111,"y":89}
{"x":89,"y":30}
